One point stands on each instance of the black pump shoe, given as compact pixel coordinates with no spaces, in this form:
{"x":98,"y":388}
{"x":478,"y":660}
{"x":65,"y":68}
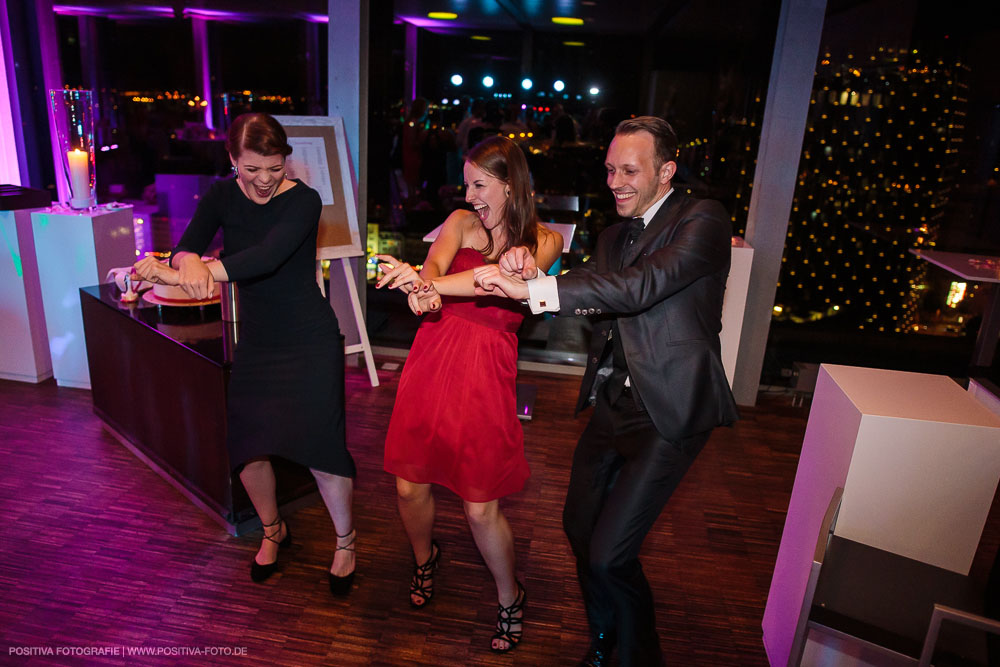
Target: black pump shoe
{"x":258,"y":572}
{"x":341,"y":586}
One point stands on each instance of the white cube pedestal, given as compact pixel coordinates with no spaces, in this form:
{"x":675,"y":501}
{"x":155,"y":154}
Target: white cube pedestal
{"x":74,"y":250}
{"x":919,"y":460}
{"x":24,"y":355}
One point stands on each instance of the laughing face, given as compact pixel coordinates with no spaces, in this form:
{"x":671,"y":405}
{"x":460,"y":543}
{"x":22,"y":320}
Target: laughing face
{"x":633,"y":177}
{"x":487,"y":195}
{"x":259,"y":175}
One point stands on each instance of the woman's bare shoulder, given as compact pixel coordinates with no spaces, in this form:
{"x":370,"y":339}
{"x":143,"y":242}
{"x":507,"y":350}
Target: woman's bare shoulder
{"x":463,"y":217}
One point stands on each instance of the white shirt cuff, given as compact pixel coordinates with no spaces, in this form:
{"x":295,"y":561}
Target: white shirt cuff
{"x":543,"y":295}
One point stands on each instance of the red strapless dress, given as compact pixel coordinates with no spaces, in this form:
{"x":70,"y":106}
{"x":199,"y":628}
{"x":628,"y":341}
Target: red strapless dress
{"x":454,"y":421}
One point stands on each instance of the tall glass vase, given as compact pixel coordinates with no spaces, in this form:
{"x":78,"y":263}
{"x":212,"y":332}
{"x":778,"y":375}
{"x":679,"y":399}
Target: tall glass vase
{"x":73,"y":136}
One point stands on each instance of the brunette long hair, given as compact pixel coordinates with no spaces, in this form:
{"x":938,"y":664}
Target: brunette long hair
{"x":502,"y":159}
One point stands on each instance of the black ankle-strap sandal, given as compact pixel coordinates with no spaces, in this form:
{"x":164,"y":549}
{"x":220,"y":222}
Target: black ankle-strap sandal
{"x":258,"y":572}
{"x":506,"y":619}
{"x":342,"y":585}
{"x":270,"y":538}
{"x":422,"y":584}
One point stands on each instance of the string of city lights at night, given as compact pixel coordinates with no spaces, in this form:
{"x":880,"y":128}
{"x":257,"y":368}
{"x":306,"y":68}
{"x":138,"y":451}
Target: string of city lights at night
{"x":879,"y":164}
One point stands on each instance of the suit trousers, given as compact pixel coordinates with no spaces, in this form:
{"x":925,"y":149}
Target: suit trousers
{"x":623,"y":473}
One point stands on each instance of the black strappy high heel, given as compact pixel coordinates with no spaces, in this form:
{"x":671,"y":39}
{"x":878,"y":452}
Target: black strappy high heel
{"x":341,"y":586}
{"x":258,"y":572}
{"x":506,"y":619}
{"x":422,"y":584}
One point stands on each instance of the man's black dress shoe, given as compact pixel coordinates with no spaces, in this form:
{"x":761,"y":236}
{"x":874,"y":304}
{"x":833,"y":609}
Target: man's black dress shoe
{"x":599,"y":655}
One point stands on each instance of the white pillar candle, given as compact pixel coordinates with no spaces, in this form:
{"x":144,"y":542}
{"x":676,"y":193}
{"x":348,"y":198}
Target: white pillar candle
{"x":79,"y":174}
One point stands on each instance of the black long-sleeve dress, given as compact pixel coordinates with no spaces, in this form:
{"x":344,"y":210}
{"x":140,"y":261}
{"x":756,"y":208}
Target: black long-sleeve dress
{"x":286,"y":390}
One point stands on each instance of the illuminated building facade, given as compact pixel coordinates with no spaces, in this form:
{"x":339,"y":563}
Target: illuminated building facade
{"x":879,"y":165}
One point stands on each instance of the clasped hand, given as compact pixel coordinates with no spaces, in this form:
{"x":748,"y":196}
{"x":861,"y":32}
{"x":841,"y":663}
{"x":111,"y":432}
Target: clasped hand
{"x":491,"y":280}
{"x":507,"y":277}
{"x":153,"y":270}
{"x":192,"y":275}
{"x":421,"y":296}
{"x":519,"y":262}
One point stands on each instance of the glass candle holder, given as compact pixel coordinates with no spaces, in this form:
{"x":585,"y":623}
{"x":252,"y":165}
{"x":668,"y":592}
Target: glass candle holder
{"x":73,"y":137}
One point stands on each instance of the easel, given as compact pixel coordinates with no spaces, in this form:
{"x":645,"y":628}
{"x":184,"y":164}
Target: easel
{"x":352,"y":307}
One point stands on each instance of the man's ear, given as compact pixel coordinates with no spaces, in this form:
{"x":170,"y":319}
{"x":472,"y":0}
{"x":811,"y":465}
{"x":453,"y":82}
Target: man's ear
{"x":667,"y":171}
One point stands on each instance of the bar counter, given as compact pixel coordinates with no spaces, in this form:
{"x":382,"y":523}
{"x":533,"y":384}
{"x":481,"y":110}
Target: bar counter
{"x":159,"y":376}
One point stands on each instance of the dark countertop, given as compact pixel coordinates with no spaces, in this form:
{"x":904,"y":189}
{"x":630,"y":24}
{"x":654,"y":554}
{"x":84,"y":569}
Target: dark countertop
{"x":197,"y":328}
{"x":14,"y":197}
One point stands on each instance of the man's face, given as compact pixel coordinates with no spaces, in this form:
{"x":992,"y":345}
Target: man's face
{"x":632,"y":175}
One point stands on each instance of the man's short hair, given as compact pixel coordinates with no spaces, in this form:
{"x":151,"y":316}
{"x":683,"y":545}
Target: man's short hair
{"x":664,"y":137}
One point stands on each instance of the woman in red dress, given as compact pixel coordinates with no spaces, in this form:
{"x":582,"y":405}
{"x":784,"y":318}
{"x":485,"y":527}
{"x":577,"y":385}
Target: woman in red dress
{"x":454,"y":422}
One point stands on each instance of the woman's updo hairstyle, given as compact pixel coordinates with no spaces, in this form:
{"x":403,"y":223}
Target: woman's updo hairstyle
{"x":257,"y":132}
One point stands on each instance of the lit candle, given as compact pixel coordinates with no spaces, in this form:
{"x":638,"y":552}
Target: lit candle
{"x":79,"y":175}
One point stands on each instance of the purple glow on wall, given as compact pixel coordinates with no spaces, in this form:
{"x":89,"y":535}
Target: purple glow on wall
{"x":216,"y":15}
{"x":199,"y":33}
{"x":83,"y":10}
{"x":10,"y":172}
{"x":424,"y":22}
{"x":52,"y":79}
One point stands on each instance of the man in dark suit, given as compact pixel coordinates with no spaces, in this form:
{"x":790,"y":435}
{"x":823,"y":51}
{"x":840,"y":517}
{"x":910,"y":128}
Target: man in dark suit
{"x":654,"y":287}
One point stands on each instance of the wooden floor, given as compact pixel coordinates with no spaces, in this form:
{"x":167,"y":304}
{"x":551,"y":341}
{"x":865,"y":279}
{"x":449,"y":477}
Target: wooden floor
{"x":97,"y":551}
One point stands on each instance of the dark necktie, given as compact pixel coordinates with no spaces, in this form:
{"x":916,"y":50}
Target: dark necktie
{"x":616,"y":383}
{"x":635,"y":227}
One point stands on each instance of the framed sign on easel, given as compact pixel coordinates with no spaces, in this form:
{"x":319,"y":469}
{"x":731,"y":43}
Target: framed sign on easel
{"x":321,"y":160}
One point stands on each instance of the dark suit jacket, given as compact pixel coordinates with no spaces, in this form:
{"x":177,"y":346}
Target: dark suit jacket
{"x":668,"y":303}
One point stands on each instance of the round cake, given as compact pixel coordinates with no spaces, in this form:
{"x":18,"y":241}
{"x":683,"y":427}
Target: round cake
{"x":175,"y":295}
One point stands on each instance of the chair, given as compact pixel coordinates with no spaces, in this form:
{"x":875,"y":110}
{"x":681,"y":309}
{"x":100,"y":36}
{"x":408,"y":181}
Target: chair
{"x":890,"y":605}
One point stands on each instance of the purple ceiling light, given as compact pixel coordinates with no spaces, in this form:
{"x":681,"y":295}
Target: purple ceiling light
{"x":151,"y":11}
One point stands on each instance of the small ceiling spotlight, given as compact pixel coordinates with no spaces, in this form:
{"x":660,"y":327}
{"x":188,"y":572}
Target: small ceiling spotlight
{"x":488,"y":81}
{"x":456,"y":79}
{"x":594,"y":90}
{"x":527,"y":83}
{"x":558,"y":85}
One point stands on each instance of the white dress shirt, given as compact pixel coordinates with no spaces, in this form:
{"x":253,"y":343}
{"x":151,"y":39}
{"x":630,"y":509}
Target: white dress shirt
{"x":543,"y":293}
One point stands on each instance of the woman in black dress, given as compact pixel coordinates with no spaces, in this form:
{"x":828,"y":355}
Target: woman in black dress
{"x":286,"y":390}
